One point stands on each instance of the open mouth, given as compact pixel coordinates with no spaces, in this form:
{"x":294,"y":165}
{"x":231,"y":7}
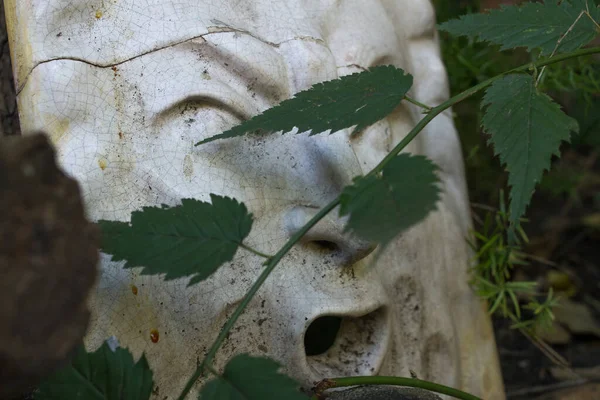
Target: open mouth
{"x":347,"y":346}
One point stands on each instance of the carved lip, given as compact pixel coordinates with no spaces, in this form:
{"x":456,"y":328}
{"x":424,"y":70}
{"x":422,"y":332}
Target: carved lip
{"x":353,"y":343}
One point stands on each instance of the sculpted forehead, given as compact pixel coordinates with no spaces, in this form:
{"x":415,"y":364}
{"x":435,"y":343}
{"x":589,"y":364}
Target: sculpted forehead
{"x":106,"y":32}
{"x":310,"y":41}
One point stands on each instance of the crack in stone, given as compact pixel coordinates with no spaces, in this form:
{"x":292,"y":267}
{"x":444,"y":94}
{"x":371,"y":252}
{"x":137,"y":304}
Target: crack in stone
{"x":212,"y":30}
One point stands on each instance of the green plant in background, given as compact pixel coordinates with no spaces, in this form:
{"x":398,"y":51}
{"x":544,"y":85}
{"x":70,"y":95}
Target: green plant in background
{"x":575,"y":83}
{"x":470,"y":62}
{"x":495,"y":261}
{"x":579,"y":75}
{"x":526,"y":129}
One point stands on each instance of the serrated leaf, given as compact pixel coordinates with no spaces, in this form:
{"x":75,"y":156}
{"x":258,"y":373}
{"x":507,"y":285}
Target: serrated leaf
{"x":251,"y":378}
{"x":381,"y":207}
{"x":359,"y":99}
{"x":532,"y":25}
{"x":102,"y":375}
{"x":526,"y":128}
{"x":192,"y":239}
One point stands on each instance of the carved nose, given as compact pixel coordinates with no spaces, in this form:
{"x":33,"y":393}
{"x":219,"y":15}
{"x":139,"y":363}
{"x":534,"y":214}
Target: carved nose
{"x":328,"y":235}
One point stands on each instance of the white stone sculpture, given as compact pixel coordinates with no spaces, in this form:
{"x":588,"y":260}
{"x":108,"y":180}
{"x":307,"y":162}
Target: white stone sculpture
{"x":126,"y":87}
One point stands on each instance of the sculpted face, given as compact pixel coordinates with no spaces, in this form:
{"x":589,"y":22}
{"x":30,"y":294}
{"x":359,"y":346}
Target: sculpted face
{"x":125,"y":88}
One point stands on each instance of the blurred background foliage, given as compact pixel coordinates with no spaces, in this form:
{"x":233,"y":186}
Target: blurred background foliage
{"x":560,"y":250}
{"x":574,"y":84}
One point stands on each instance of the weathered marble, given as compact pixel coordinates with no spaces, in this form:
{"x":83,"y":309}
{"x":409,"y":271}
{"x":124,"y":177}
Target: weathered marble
{"x":126,"y":87}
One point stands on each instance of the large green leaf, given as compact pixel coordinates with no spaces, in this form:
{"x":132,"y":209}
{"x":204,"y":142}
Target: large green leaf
{"x":526,"y":129}
{"x":382,"y":206}
{"x":532,"y":25}
{"x":251,"y":378}
{"x":359,"y":99}
{"x":102,"y":375}
{"x":192,"y":239}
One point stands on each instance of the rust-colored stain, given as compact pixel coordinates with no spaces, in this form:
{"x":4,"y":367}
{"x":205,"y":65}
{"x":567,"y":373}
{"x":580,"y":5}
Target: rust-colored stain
{"x":121,"y":136}
{"x":154,"y":336}
{"x":134,"y":289}
{"x":102,"y":164}
{"x":98,"y":14}
{"x":115,"y":70}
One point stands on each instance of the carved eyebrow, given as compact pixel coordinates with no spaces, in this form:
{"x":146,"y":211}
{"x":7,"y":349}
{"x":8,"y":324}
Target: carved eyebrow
{"x":203,"y":100}
{"x":236,"y":85}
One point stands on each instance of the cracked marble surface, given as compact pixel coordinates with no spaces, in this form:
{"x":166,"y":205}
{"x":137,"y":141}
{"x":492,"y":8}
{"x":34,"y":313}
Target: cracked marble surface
{"x":126,"y":87}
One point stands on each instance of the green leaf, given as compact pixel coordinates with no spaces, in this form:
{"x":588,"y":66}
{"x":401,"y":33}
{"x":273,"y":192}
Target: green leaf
{"x":526,"y":129}
{"x":382,"y":206}
{"x":192,"y":239}
{"x":359,"y":99}
{"x":251,"y":378}
{"x":102,"y":375}
{"x":532,"y":25}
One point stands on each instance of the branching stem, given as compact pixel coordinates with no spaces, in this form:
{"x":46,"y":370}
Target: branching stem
{"x":248,"y":297}
{"x":581,"y":14}
{"x":418,"y":103}
{"x":272,"y":262}
{"x":394,"y":381}
{"x":252,"y":250}
{"x":435,"y":111}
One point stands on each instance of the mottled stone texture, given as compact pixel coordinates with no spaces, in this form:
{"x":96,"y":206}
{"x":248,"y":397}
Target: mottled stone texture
{"x":48,"y":257}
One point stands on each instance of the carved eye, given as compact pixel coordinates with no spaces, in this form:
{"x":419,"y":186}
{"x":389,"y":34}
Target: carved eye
{"x":196,"y":118}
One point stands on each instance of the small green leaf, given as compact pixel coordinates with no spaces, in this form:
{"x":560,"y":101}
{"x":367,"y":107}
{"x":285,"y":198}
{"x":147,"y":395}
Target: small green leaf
{"x":381,"y":207}
{"x":359,"y":99}
{"x":102,"y":375}
{"x":192,"y":239}
{"x":532,"y":25}
{"x":526,"y":129}
{"x":251,"y":378}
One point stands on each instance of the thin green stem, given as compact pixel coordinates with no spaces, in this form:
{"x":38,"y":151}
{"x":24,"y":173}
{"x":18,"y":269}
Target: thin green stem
{"x":417,"y":103}
{"x":273,"y":261}
{"x":435,"y":111}
{"x":248,"y":297}
{"x":397,"y":381}
{"x":252,"y":250}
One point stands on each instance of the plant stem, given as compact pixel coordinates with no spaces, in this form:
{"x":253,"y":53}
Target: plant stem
{"x":250,"y":294}
{"x":273,"y":261}
{"x":417,"y":103}
{"x":397,"y":381}
{"x":435,"y":111}
{"x":252,"y":250}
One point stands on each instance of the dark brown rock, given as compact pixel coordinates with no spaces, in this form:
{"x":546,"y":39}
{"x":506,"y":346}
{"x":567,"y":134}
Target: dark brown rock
{"x":48,"y":263}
